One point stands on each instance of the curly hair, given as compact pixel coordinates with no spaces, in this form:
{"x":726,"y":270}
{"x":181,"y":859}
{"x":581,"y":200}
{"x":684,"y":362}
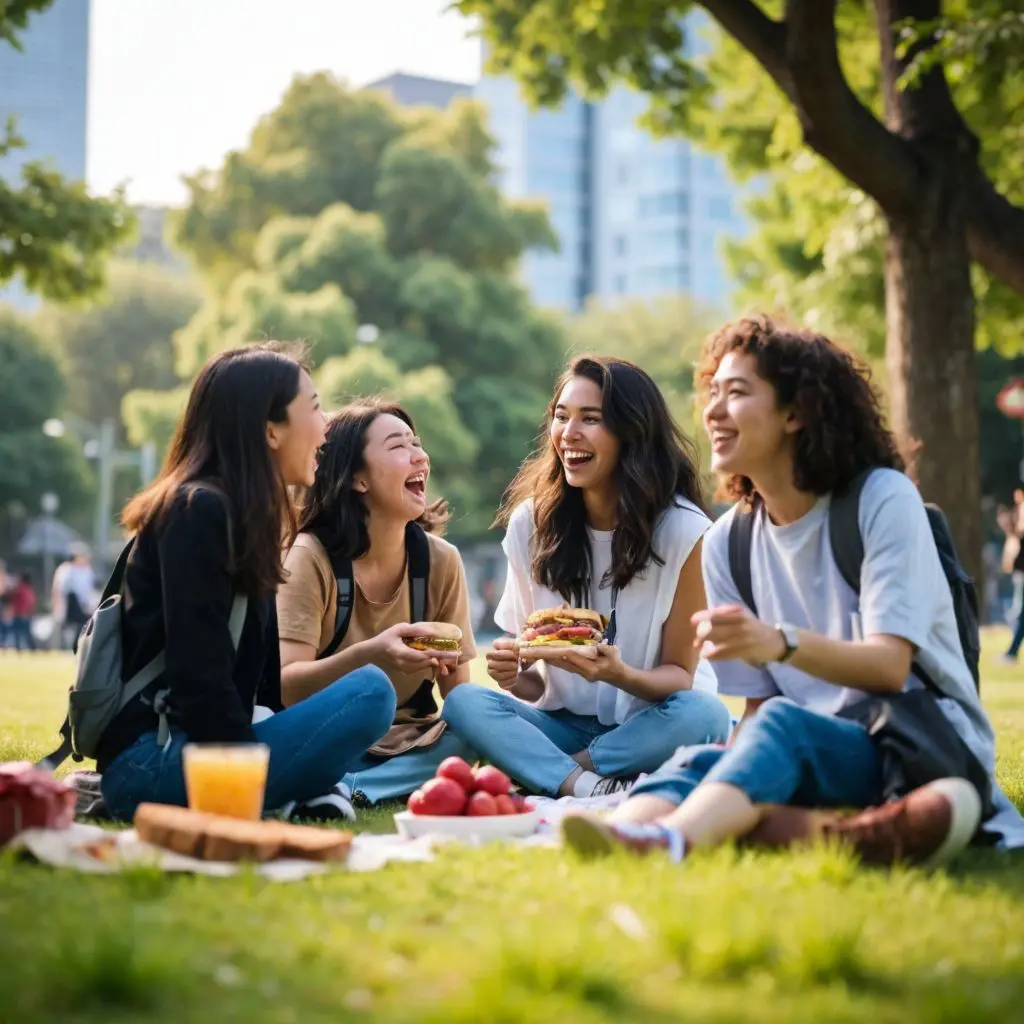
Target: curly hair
{"x":830,"y":392}
{"x":657,"y":464}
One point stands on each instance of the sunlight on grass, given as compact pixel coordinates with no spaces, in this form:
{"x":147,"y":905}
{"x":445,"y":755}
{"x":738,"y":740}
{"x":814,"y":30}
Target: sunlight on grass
{"x":504,"y":934}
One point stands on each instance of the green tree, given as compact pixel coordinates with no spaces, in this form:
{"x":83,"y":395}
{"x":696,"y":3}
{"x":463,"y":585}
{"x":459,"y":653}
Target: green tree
{"x":31,"y":392}
{"x":52,"y":232}
{"x":919,"y":145}
{"x":123,"y":342}
{"x":345,"y":210}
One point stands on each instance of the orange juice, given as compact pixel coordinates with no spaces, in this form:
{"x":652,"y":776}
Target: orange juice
{"x":227,"y":780}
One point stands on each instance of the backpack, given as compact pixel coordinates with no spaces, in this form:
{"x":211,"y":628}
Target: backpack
{"x":418,"y":569}
{"x":848,"y":552}
{"x":99,"y":693}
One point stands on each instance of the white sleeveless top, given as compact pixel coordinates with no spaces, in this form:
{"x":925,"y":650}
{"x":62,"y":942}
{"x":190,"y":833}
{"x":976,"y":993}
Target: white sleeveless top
{"x":641,"y":610}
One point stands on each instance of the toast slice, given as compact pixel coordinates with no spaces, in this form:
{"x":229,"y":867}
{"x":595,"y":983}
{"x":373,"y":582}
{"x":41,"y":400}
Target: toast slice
{"x":214,"y":837}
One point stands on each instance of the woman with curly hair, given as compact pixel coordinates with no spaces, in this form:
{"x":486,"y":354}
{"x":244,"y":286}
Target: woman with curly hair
{"x":793,"y":421}
{"x":607,"y":515}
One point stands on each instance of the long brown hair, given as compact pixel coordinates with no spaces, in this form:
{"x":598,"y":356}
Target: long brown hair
{"x":221,"y":441}
{"x":842,"y":429}
{"x":657,"y":463}
{"x":332,"y":508}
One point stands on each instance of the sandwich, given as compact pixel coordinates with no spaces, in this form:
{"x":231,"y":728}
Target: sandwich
{"x":214,"y":837}
{"x":441,"y":639}
{"x":551,"y":632}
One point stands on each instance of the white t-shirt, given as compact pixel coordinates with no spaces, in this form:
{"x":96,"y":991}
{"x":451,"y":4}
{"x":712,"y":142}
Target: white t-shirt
{"x":641,"y":610}
{"x":904,"y":593}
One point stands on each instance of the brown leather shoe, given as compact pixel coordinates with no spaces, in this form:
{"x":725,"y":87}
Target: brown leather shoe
{"x":929,"y":826}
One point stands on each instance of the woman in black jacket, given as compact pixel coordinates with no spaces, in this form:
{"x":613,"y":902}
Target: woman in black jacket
{"x":210,"y":528}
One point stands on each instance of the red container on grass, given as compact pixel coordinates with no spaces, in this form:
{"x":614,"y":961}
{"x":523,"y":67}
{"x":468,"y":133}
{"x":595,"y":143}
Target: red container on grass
{"x":32,"y":798}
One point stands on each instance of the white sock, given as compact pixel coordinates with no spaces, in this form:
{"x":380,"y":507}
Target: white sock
{"x":585,"y":784}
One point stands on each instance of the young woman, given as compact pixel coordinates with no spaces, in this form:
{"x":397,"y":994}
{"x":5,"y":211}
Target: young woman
{"x":209,"y":528}
{"x":365,"y":510}
{"x":607,"y":515}
{"x":793,"y":422}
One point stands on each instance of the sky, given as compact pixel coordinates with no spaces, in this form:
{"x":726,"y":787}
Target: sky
{"x":175,"y":84}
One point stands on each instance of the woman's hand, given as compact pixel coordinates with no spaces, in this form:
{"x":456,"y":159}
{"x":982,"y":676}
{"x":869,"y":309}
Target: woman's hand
{"x":503,"y":662}
{"x":391,"y":653}
{"x":731,"y":633}
{"x":607,"y":667}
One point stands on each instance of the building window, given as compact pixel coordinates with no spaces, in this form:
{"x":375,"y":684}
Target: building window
{"x":719,"y":208}
{"x":619,"y":284}
{"x":621,"y":245}
{"x":622,"y":173}
{"x":664,"y":205}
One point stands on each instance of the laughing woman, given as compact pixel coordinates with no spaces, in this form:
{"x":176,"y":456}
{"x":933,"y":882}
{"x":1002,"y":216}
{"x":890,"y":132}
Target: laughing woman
{"x":367,"y":531}
{"x":608,"y":515}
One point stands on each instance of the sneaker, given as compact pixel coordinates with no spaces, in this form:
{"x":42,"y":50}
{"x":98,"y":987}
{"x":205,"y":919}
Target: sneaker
{"x":335,"y":805}
{"x":593,"y":836}
{"x":1009,"y":660}
{"x":610,"y":785}
{"x":929,"y":826}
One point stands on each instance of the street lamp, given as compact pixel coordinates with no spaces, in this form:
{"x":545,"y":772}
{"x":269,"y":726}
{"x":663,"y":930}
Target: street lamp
{"x":367,"y":334}
{"x":49,"y":503}
{"x":101,"y":446}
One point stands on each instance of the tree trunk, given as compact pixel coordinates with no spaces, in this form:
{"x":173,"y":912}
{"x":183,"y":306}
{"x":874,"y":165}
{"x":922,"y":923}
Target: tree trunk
{"x":929,"y":308}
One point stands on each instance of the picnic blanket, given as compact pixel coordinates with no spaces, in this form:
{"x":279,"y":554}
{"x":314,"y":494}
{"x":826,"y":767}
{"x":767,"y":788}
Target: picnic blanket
{"x":95,"y":850}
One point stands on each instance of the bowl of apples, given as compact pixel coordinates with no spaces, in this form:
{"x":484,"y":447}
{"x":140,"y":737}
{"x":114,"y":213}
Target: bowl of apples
{"x":467,"y":803}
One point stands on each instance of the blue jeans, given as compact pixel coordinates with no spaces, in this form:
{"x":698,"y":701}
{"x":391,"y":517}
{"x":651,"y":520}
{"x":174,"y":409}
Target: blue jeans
{"x":785,"y":754}
{"x":374,"y":779}
{"x":311,"y":746}
{"x":534,"y":747}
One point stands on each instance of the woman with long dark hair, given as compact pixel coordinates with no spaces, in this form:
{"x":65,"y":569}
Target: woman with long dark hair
{"x":367,"y":540}
{"x":607,"y":515}
{"x":210,"y":529}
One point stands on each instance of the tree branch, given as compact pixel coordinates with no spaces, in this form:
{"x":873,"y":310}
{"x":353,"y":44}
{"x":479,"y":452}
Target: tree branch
{"x":836,"y":124}
{"x":762,"y":37}
{"x":995,"y":233}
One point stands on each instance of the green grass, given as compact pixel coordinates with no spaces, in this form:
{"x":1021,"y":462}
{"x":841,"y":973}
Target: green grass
{"x":510,"y":935}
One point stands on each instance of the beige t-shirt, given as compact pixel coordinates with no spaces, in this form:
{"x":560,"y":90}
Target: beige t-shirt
{"x":307,"y":604}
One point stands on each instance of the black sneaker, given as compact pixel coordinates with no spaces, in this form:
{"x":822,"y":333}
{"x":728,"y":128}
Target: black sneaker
{"x":335,"y":805}
{"x":613,"y":784}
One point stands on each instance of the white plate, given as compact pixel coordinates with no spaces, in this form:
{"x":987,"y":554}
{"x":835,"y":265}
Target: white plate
{"x":498,"y":826}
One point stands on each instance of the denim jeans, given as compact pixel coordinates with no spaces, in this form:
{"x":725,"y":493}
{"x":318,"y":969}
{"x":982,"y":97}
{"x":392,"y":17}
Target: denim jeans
{"x":311,"y":746}
{"x":1018,"y":610}
{"x":786,"y":754}
{"x":534,"y":747}
{"x":373,"y":779}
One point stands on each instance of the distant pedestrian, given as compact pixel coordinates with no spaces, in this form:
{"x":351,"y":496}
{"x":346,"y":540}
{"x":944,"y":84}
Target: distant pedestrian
{"x":22,"y":604}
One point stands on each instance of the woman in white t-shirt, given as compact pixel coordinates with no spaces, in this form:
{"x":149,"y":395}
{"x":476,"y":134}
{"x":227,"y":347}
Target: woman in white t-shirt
{"x":607,"y":515}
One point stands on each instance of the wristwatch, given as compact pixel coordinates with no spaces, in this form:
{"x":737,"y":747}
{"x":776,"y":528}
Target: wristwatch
{"x":790,"y":639}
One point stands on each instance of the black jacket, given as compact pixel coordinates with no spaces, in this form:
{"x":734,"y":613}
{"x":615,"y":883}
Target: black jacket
{"x":178,"y":598}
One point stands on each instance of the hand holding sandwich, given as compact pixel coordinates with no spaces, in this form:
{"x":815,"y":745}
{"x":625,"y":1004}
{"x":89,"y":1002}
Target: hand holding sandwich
{"x":393,"y":651}
{"x":604,"y":665}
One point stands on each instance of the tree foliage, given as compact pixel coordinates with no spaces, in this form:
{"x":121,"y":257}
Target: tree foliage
{"x":346,"y":210}
{"x":31,"y":392}
{"x":52,"y":232}
{"x":123,"y":342}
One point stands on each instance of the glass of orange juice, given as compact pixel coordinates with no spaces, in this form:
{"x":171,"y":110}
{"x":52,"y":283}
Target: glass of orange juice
{"x":228,"y":779}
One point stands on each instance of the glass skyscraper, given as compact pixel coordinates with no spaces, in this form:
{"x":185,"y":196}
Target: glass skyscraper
{"x":45,"y":87}
{"x":636,"y":216}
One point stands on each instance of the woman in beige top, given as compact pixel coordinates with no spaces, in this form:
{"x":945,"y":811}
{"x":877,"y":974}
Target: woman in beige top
{"x":365,"y":513}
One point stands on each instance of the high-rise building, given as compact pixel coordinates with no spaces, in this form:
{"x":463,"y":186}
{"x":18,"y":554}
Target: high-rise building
{"x":636,"y":216}
{"x":44,"y":86}
{"x":420,"y":91}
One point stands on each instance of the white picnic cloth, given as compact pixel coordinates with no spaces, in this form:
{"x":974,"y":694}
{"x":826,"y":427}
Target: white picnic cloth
{"x":95,"y":850}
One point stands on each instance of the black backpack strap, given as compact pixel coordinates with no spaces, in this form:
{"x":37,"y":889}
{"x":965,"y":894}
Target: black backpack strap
{"x":344,"y":580}
{"x":741,"y":533}
{"x":417,"y":552}
{"x":844,"y":530}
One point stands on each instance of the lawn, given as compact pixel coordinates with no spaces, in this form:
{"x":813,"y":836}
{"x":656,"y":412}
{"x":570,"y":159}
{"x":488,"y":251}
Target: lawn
{"x":513,"y":935}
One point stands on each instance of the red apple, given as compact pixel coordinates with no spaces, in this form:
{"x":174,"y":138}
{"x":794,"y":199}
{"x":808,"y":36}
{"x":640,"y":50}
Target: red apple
{"x":491,"y":780}
{"x":481,"y":805}
{"x":505,"y":804}
{"x":457,"y":770}
{"x":438,"y":798}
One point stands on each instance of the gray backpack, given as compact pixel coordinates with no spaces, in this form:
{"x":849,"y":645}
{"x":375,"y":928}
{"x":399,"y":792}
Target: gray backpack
{"x":99,"y":693}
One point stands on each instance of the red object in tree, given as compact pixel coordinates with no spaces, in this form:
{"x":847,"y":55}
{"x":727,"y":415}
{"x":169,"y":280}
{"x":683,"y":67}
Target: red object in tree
{"x":1010,"y":401}
{"x":32,"y":798}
